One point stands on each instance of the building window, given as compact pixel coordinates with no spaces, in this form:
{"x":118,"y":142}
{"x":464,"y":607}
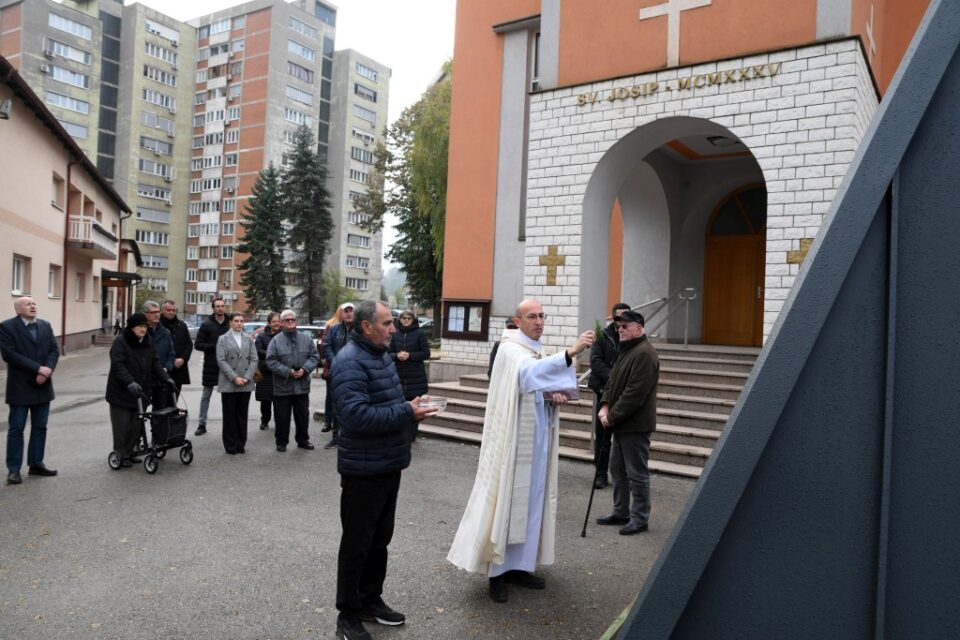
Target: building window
{"x":145,"y":236}
{"x":208,"y":206}
{"x":57,"y":191}
{"x":155,"y":262}
{"x":366,"y":72}
{"x":361,"y":155}
{"x":153,"y":215}
{"x":157,"y":146}
{"x":78,"y":131}
{"x":358,"y":262}
{"x":226,"y":277}
{"x":206,"y":184}
{"x":154,"y":121}
{"x":220,"y":26}
{"x":156,"y":193}
{"x":228,"y":252}
{"x":159,"y":75}
{"x":365,"y":92}
{"x":206,"y":275}
{"x":232,"y":159}
{"x":55,"y":281}
{"x":233,"y":135}
{"x":358,"y":176}
{"x":354,"y":217}
{"x":361,"y":134}
{"x":300,"y":96}
{"x":325,"y":14}
{"x":156,"y":284}
{"x":80,"y":287}
{"x":296,"y":117}
{"x":240,"y":22}
{"x":364,"y":114}
{"x":302,"y":27}
{"x":158,"y":29}
{"x":357,"y":284}
{"x":156,"y":51}
{"x":67,"y":102}
{"x":160,"y":99}
{"x":300,"y":73}
{"x":155,"y":168}
{"x":68,"y":52}
{"x":355,"y":240}
{"x":201,"y":76}
{"x":95,"y":293}
{"x":229,"y":205}
{"x":303,"y":51}
{"x":228,"y":228}
{"x":69,"y":77}
{"x":193,"y":253}
{"x":69,"y":26}
{"x":20,"y":284}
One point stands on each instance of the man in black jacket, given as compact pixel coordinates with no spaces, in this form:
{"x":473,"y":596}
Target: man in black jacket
{"x":208,"y":335}
{"x":376,"y":428}
{"x":629,"y":411}
{"x":31,"y":352}
{"x":182,"y":344}
{"x":603,"y":354}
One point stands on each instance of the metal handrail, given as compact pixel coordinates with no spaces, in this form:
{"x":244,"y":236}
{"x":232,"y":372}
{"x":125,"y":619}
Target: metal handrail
{"x":685,"y":295}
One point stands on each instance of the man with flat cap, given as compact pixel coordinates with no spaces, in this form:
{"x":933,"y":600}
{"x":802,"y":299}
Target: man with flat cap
{"x":628,"y":408}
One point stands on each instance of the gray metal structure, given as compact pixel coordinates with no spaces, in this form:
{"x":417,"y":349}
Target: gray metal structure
{"x":831,"y":506}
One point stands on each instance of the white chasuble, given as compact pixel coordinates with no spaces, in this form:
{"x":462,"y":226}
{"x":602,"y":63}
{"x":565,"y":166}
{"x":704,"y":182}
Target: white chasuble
{"x":510,"y":519}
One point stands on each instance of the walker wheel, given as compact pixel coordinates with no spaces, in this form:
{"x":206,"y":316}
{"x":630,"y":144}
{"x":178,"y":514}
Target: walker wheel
{"x":150,"y":463}
{"x":186,"y":455}
{"x":161,"y":453}
{"x":114,"y":460}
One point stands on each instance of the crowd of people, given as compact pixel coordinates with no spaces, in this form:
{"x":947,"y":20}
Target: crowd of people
{"x":376,"y":381}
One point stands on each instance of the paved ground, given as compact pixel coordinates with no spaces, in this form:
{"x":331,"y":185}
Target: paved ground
{"x":245,"y":546}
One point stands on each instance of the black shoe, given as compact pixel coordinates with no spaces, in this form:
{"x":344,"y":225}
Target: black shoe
{"x":383,"y":614}
{"x":230,"y":453}
{"x":331,"y":445}
{"x":600,"y":482}
{"x":241,"y":450}
{"x":326,"y":428}
{"x":525,"y":579}
{"x":41,"y":470}
{"x":135,"y":459}
{"x":612,"y":519}
{"x":264,"y":426}
{"x":498,"y":589}
{"x":306,"y":445}
{"x":281,"y":448}
{"x":348,"y":629}
{"x":14,"y":477}
{"x":632,"y":528}
{"x":202,"y":429}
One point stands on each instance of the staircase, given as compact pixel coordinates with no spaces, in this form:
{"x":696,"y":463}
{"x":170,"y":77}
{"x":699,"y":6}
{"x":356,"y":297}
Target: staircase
{"x":104,"y":339}
{"x":698,"y":388}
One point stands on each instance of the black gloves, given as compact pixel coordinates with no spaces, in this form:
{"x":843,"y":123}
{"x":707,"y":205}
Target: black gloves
{"x":135,"y":389}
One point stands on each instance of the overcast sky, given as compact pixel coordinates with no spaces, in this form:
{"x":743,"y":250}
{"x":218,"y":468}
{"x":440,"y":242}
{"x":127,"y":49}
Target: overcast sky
{"x":412,"y":37}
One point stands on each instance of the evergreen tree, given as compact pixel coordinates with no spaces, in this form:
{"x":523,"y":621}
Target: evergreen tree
{"x":264,"y":240}
{"x":307,"y":207}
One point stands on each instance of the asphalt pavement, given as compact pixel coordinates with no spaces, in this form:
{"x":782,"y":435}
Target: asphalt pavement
{"x":245,"y":546}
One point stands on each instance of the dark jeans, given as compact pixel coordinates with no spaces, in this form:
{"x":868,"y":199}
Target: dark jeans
{"x":235,"y":407}
{"x":601,"y":451}
{"x":299,"y":405}
{"x":367,"y":508}
{"x":266,"y":407}
{"x":328,"y":417}
{"x":38,"y":434}
{"x":631,"y":476}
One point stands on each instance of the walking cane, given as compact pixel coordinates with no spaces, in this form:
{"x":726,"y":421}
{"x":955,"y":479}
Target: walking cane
{"x":593,"y":486}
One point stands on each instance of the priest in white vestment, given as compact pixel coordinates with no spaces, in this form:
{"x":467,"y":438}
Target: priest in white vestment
{"x":509,"y":525}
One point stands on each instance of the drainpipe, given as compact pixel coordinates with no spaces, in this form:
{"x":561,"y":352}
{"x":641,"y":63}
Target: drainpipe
{"x":63,"y":285}
{"x":126,"y":295}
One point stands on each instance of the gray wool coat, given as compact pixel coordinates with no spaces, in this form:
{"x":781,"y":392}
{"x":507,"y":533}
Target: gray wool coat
{"x":236,"y":361}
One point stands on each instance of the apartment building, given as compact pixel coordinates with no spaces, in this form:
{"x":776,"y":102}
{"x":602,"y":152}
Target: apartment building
{"x":155,"y":123}
{"x":361,"y":88}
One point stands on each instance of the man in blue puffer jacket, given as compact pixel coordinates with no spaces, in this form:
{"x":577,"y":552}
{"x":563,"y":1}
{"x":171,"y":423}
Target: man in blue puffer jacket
{"x":376,"y":429}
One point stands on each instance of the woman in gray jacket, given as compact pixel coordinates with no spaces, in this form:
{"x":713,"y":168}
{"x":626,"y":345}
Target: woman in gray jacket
{"x":237,"y":360}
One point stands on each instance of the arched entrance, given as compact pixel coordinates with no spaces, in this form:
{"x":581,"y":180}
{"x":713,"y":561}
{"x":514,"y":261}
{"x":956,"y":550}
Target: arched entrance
{"x":734,"y":257}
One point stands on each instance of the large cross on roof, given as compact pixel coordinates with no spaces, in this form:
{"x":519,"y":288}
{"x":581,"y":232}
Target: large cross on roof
{"x":672,"y":9}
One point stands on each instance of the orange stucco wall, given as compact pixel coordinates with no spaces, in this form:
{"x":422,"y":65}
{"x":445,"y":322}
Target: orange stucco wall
{"x":608,"y":39}
{"x":474,"y":126}
{"x":894,"y":24}
{"x":10,"y":21}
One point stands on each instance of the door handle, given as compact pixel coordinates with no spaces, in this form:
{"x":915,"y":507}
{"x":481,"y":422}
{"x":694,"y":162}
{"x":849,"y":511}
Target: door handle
{"x":759,"y":293}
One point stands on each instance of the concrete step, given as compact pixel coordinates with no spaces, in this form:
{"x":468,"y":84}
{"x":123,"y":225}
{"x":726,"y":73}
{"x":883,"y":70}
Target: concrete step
{"x":698,"y":419}
{"x":709,"y":364}
{"x":707,"y":351}
{"x":584,"y":455}
{"x":674,"y":386}
{"x":703,"y":375}
{"x":694,"y":403}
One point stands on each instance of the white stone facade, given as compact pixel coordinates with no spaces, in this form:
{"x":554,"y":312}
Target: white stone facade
{"x":802,"y":123}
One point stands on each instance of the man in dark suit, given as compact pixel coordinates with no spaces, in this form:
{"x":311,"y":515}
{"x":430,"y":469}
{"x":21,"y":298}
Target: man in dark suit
{"x":182,"y":343}
{"x":30,"y":350}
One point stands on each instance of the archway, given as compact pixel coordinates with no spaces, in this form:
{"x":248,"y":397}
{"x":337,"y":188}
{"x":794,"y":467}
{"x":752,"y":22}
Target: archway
{"x":667,"y":177}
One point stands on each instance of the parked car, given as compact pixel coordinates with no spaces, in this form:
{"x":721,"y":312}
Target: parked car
{"x":192,"y":329}
{"x":254,"y":328}
{"x":426,"y":323}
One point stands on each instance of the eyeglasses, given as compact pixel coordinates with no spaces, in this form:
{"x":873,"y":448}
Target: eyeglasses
{"x":289,"y":320}
{"x":406,"y":318}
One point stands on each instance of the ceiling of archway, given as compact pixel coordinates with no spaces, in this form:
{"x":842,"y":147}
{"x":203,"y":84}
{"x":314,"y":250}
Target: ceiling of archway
{"x":704,"y":148}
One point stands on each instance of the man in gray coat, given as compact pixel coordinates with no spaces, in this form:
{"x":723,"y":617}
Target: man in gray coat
{"x":292,"y":356}
{"x":628,"y":408}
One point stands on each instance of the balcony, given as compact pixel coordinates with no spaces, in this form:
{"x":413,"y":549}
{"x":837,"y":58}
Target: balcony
{"x":87,"y":238}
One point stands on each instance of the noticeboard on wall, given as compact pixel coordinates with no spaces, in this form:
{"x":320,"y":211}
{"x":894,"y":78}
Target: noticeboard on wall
{"x":465,"y":319}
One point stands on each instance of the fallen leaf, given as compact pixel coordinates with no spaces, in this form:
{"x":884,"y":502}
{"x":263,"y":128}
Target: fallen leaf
{"x":439,"y":609}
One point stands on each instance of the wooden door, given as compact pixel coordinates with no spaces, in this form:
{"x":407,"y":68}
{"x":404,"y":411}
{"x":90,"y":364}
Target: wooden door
{"x":733,"y":270}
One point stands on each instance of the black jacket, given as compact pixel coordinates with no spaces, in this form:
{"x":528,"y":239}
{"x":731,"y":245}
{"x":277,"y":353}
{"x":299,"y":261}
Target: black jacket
{"x":603,"y":355}
{"x":182,"y":347}
{"x":631,"y":392}
{"x":376,"y":424}
{"x":24,"y":357}
{"x":412,"y":372}
{"x":265,"y":386}
{"x":207,"y":337}
{"x":132,"y":360}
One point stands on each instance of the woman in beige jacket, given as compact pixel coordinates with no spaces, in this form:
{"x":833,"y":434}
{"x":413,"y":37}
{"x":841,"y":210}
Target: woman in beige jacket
{"x":237,"y":360}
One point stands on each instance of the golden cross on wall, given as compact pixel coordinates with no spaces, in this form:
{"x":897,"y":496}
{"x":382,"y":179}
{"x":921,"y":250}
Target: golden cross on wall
{"x":672,"y":9}
{"x":869,"y":29}
{"x":551,"y":261}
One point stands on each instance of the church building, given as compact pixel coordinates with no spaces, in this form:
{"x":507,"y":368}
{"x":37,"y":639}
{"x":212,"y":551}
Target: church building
{"x":638,"y":150}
